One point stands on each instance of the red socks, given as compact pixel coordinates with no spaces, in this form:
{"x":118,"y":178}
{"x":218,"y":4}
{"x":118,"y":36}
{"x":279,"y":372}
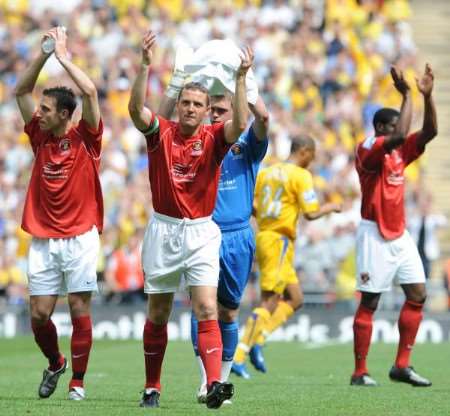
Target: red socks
{"x":210,"y":349}
{"x":47,"y":340}
{"x":80,"y":347}
{"x":155,"y":342}
{"x":408,"y":325}
{"x":362,"y":332}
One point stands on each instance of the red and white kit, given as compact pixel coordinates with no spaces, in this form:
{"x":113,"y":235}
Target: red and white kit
{"x":384,"y":248}
{"x":181,"y":239}
{"x":64,"y":209}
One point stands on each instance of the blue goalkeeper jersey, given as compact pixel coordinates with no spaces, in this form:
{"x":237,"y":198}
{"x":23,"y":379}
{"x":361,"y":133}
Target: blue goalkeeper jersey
{"x":237,"y":182}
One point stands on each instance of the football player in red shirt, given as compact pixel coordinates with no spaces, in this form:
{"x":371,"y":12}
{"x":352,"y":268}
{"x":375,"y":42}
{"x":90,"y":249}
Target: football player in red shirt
{"x":181,"y":239}
{"x":63,"y":211}
{"x":385,"y":249}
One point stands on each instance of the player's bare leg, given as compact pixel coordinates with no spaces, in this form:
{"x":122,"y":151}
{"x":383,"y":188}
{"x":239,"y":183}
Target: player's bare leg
{"x":81,"y":341}
{"x":362,"y":334}
{"x":408,"y":325}
{"x":41,"y":310}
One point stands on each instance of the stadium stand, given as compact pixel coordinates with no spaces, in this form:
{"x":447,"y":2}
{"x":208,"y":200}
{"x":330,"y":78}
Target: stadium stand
{"x":322,"y":67}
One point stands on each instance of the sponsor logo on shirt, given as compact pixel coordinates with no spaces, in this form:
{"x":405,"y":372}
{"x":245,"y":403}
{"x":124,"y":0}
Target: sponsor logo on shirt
{"x":197,"y":148}
{"x":52,"y":171}
{"x":395,"y":178}
{"x":310,"y":196}
{"x":181,"y":173}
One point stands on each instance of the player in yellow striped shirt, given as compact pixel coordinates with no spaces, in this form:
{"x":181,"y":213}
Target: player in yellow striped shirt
{"x":283,"y":192}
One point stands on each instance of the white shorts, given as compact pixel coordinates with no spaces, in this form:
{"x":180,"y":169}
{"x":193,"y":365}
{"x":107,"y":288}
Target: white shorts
{"x":385,"y":260}
{"x":57,"y":266}
{"x":175,"y":248}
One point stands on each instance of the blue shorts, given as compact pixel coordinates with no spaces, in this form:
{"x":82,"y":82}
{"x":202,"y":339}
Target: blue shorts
{"x":236,"y":257}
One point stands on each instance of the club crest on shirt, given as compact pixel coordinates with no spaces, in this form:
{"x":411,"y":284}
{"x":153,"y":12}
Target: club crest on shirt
{"x":64,"y":145}
{"x":197,"y":148}
{"x":236,"y":150}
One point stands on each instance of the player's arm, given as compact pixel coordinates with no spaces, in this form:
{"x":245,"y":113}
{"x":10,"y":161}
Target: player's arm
{"x":325,"y":209}
{"x":235,"y":127}
{"x":401,"y":130}
{"x":261,"y":123}
{"x":308,"y":201}
{"x":90,"y":107}
{"x":27,"y":81}
{"x":429,"y":127}
{"x":140,"y":114}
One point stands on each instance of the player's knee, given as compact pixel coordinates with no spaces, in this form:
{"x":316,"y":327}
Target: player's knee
{"x":159,"y":314}
{"x":39,"y":316}
{"x":206,"y":310}
{"x":228,"y":315}
{"x":419,"y":297}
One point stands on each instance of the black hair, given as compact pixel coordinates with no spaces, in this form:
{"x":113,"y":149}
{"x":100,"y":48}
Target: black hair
{"x":299,"y":142}
{"x":384,"y":116}
{"x":65,"y":98}
{"x":195,"y":86}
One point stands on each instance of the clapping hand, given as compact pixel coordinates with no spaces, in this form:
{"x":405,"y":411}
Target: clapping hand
{"x":426,"y":81}
{"x":147,"y":43}
{"x":399,"y":81}
{"x":246,"y":61}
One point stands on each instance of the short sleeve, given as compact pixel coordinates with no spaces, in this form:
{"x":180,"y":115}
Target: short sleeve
{"x":257,"y":148}
{"x":412,"y":149}
{"x":32,"y":129}
{"x":370,"y":153}
{"x":152,"y":132}
{"x":91,"y":137}
{"x":307,"y":197}
{"x":221,"y":146}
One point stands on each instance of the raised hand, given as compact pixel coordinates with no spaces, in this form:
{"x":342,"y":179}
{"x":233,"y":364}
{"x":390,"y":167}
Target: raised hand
{"x":399,"y":81}
{"x":246,"y":60}
{"x":147,"y":42}
{"x":426,"y":81}
{"x":60,"y":37}
{"x":49,"y":35}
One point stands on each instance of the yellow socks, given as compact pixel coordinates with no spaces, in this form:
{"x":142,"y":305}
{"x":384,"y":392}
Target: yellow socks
{"x":281,"y":314}
{"x":254,"y":327}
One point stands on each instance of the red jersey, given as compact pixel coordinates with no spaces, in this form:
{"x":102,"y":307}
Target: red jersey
{"x":184,"y":171}
{"x":382,"y":182}
{"x":64,"y":197}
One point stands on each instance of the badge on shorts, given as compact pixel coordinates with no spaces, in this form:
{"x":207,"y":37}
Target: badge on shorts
{"x":197,"y":148}
{"x":364,"y":277}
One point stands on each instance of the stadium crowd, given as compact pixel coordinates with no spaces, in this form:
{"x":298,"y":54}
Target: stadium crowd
{"x":322,"y":67}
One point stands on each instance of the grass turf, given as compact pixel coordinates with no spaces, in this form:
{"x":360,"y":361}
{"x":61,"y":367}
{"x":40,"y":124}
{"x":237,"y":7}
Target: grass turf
{"x":300,"y":381}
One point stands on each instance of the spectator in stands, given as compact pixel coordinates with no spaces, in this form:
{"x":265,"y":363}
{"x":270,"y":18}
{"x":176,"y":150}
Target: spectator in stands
{"x":313,"y":61}
{"x":124,"y":278}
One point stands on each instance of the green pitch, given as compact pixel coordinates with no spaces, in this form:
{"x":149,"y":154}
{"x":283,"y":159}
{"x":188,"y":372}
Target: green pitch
{"x":301,"y":381}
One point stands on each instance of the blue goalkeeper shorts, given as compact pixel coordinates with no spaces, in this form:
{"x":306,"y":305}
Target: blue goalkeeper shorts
{"x":236,"y":257}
